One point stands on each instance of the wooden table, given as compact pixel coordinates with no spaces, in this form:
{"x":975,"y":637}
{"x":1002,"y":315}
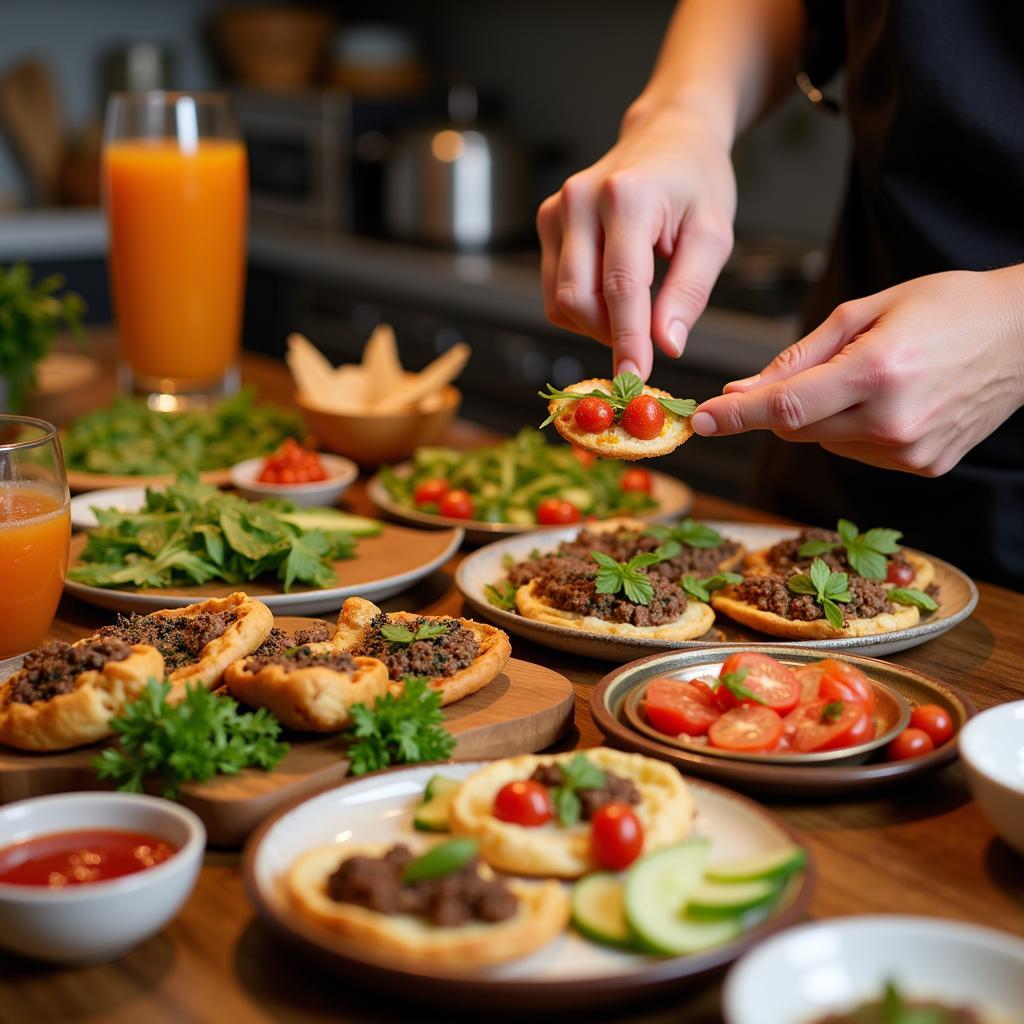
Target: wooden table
{"x":920,"y":850}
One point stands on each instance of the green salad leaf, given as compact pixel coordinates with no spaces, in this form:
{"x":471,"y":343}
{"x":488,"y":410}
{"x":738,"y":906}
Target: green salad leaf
{"x":826,"y":588}
{"x":625,"y":387}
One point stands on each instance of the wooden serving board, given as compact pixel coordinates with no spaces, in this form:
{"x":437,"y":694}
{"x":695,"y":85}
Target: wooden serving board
{"x":523,"y":710}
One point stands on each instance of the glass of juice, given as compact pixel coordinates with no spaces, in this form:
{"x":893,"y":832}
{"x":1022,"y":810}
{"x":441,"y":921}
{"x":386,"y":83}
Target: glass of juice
{"x":175,"y":185}
{"x":35,"y":530}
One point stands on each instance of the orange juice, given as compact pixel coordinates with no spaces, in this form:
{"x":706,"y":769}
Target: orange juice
{"x":177,"y":253}
{"x":35,"y":530}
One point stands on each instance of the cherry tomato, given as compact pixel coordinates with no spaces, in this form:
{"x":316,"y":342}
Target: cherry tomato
{"x":934,"y":720}
{"x":432,"y":490}
{"x":675,"y":706}
{"x":809,"y":678}
{"x":524,"y":803}
{"x":584,"y":458}
{"x":552,"y":511}
{"x":292,"y":464}
{"x":828,"y":725}
{"x":910,"y":743}
{"x":616,"y":836}
{"x":643,"y":418}
{"x":748,"y":728}
{"x":841,"y":681}
{"x":900,"y":573}
{"x":635,"y":480}
{"x":776,"y":686}
{"x":456,"y":505}
{"x":593,"y":415}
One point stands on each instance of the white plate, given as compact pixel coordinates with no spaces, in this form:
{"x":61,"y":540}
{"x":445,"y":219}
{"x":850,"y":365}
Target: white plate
{"x":379,"y":809}
{"x":485,"y":566}
{"x":122,"y":499}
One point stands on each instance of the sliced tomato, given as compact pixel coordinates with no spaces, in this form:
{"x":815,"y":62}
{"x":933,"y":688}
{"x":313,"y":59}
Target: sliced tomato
{"x":676,"y":706}
{"x":842,"y":681}
{"x":809,"y":678}
{"x":749,"y":728}
{"x":826,"y":724}
{"x":771,"y":683}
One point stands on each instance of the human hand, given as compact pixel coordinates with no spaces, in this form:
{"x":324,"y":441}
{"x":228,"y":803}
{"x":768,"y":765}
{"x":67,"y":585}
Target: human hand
{"x":667,"y":186}
{"x":911,"y":378}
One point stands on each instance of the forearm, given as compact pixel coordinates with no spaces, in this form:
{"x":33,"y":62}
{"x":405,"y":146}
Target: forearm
{"x":726,"y":60}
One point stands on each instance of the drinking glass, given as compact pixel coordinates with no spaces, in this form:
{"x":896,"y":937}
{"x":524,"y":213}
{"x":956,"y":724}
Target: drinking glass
{"x":35,"y":531}
{"x":176,"y":188}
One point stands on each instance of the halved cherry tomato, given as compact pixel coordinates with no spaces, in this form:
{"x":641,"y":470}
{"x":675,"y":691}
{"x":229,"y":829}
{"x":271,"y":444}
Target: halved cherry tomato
{"x":456,"y":505}
{"x":934,"y":720}
{"x":828,"y":725}
{"x":616,"y":836}
{"x":432,"y":490}
{"x":675,"y":706}
{"x":635,"y":480}
{"x":593,"y":415}
{"x":292,"y":464}
{"x":772,"y":683}
{"x":584,"y":458}
{"x":900,"y":573}
{"x":643,"y":418}
{"x":809,"y":678}
{"x":552,"y":511}
{"x":910,"y":743}
{"x":748,"y":728}
{"x":842,"y":681}
{"x":524,"y":803}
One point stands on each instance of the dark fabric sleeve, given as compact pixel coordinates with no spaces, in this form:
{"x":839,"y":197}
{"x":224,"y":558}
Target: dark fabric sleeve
{"x":825,"y":40}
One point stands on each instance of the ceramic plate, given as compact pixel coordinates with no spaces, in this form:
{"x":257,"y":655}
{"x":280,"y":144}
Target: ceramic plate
{"x":673,"y":496}
{"x":383,"y":566}
{"x":612,"y":704}
{"x":571,"y":971}
{"x":957,"y":598}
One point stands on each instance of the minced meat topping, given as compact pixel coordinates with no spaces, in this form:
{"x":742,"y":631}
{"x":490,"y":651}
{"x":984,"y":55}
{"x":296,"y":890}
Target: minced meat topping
{"x":52,"y":669}
{"x":569,"y":585}
{"x":443,"y":655}
{"x":279,"y":641}
{"x":179,"y":638}
{"x":616,"y":789}
{"x":303,"y":656}
{"x":451,"y":900}
{"x":770,"y":593}
{"x":785,"y":555}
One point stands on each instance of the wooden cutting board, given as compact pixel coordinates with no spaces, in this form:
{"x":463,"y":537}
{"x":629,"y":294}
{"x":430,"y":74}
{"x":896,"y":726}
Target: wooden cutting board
{"x":525,"y":709}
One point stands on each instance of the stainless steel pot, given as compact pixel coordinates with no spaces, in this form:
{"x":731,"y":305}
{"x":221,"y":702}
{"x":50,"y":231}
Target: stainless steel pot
{"x":458,"y":184}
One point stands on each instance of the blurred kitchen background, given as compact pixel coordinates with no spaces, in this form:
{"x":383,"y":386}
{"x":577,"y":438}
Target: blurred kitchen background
{"x":354,"y":113}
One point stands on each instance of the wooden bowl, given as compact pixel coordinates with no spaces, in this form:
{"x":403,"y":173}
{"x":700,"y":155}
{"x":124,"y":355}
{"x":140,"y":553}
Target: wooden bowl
{"x":373,"y":438}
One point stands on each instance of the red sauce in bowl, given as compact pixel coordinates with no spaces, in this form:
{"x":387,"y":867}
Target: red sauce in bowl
{"x":60,"y":859}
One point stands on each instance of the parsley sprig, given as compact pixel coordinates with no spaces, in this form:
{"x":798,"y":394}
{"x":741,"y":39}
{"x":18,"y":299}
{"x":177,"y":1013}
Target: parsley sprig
{"x":826,"y":588}
{"x":866,"y":552}
{"x":203,"y":736}
{"x":628,"y":576}
{"x":911,"y":595}
{"x":625,"y":387}
{"x":402,"y":728}
{"x":689,"y":533}
{"x":501,"y":594}
{"x":579,"y":773}
{"x":402,"y":636}
{"x":702,"y":589}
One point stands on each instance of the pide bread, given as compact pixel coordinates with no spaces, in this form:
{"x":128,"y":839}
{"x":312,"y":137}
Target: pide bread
{"x":665,"y":810}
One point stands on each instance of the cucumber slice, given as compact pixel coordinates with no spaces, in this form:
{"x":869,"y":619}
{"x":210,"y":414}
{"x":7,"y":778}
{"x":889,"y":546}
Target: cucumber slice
{"x":713,"y":899}
{"x":658,"y":888}
{"x":772,"y":866}
{"x":598,"y":910}
{"x":431,"y":814}
{"x":330,"y":520}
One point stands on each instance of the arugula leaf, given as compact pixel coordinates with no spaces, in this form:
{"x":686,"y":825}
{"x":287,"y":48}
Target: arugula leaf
{"x":689,"y":533}
{"x":400,"y":635}
{"x":702,"y":589}
{"x":399,"y":729}
{"x":614,"y":576}
{"x":203,"y":736}
{"x":866,"y":552}
{"x":579,"y":773}
{"x":911,"y":595}
{"x":502,"y":595}
{"x":625,"y":387}
{"x":826,"y":587}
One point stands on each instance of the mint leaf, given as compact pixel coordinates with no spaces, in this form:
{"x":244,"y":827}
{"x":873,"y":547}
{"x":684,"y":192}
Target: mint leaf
{"x":733,"y":682}
{"x":566,"y":804}
{"x":702,"y":589}
{"x":820,"y":575}
{"x":825,"y":587}
{"x":847,"y":531}
{"x":689,"y":533}
{"x":581,"y":773}
{"x":800,"y":583}
{"x":396,"y":634}
{"x":614,"y":576}
{"x":865,"y":562}
{"x":626,"y":387}
{"x":832,"y":612}
{"x":811,"y":548}
{"x":910,"y":595}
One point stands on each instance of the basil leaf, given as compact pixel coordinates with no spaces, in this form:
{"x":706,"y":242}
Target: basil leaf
{"x":832,"y":612}
{"x":810,"y":548}
{"x":910,"y":595}
{"x":684,"y":407}
{"x":581,"y":773}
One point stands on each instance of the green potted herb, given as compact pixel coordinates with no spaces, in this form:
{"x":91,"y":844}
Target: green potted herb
{"x":30,"y":315}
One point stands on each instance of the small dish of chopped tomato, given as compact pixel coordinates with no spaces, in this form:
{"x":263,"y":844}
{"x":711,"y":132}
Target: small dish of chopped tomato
{"x":297,"y":473}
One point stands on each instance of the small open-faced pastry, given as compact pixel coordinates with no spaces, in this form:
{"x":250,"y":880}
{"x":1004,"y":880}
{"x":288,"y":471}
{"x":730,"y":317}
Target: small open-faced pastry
{"x":458,"y":656}
{"x":64,"y":695}
{"x":621,"y":418}
{"x":200,"y":641}
{"x":460,"y":917}
{"x":655,"y":790}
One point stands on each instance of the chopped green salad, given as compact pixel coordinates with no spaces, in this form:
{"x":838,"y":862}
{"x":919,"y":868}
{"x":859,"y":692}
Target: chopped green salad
{"x":130,"y":439}
{"x":519,"y":481}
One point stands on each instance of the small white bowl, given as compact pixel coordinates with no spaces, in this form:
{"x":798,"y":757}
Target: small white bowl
{"x":98,"y":921}
{"x":340,"y":473}
{"x":829,"y":966}
{"x":992,"y":748}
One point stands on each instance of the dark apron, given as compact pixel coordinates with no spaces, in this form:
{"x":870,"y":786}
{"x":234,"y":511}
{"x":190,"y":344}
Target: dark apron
{"x":935,"y":99}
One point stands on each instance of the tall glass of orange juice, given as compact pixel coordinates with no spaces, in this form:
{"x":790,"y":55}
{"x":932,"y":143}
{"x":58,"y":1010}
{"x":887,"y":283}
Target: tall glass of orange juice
{"x":176,"y":192}
{"x":35,"y":530}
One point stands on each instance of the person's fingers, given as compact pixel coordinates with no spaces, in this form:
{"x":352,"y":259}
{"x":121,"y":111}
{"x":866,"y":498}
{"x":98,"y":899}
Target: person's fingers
{"x":700,"y":254}
{"x":578,"y":293}
{"x":828,"y":338}
{"x":549,"y":230}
